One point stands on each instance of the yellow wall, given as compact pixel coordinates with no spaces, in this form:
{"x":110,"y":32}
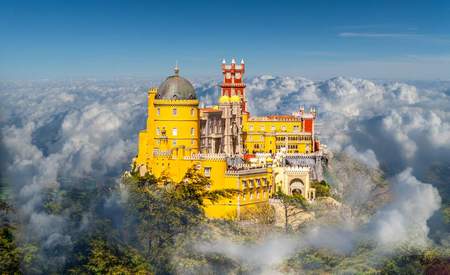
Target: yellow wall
{"x":175,"y":168}
{"x":268,"y":136}
{"x":180,"y":120}
{"x":162,"y":118}
{"x":248,"y":196}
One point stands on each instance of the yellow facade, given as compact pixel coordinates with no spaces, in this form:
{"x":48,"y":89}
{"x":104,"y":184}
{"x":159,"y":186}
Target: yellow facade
{"x":270,"y":135}
{"x":177,"y":128}
{"x":161,"y":151}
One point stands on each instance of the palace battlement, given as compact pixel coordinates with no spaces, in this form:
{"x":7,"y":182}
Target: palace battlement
{"x":290,"y":170}
{"x":245,"y":171}
{"x":318,"y":154}
{"x":207,"y":156}
{"x":275,"y":118}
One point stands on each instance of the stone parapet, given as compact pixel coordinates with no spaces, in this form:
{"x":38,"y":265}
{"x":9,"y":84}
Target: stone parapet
{"x":208,"y":156}
{"x":245,"y":171}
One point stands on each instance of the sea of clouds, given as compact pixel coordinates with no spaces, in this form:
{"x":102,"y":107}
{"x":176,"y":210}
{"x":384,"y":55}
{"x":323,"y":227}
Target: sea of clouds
{"x":52,"y":130}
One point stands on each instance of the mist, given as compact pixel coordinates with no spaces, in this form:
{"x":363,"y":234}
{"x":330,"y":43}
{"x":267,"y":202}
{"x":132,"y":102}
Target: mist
{"x":64,"y":136}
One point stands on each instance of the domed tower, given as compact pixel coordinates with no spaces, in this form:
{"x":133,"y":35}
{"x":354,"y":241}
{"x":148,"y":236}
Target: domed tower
{"x":173,"y":121}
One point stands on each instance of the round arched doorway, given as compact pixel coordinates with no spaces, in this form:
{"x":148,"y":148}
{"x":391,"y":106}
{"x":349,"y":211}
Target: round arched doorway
{"x":296,"y":187}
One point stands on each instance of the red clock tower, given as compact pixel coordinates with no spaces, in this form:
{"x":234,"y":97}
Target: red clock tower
{"x":233,"y":81}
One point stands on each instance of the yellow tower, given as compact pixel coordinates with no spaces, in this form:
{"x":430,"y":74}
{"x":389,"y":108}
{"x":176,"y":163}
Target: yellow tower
{"x":172,"y":124}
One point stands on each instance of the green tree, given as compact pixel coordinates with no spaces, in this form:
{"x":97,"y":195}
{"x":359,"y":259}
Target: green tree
{"x":292,"y":205}
{"x":323,"y":189}
{"x":106,"y":258}
{"x":160,"y":210}
{"x":9,"y":252}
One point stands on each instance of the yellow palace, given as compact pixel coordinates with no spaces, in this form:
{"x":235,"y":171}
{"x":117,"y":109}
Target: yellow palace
{"x":256,"y":155}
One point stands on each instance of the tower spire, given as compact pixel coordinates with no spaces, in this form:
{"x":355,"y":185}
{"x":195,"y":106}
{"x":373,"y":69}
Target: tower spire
{"x":176,"y":69}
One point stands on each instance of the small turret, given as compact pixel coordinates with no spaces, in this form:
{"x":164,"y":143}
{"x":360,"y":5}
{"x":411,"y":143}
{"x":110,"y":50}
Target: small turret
{"x":176,"y":69}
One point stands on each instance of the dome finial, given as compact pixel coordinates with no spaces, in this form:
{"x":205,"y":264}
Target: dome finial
{"x":176,"y":69}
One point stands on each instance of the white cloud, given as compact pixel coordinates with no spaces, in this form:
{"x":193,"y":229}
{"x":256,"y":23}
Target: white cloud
{"x":77,"y":129}
{"x":62,"y":131}
{"x":367,"y":157}
{"x":404,"y":220}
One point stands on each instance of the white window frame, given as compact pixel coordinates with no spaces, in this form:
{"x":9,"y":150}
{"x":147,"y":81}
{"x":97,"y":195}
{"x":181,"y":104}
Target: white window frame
{"x":207,"y":172}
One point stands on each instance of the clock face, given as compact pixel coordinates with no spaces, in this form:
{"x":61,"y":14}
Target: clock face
{"x":238,"y":75}
{"x":228,"y":75}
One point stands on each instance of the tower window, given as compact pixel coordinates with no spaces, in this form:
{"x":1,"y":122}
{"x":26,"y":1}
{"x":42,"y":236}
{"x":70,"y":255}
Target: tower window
{"x":174,"y":111}
{"x":192,"y":131}
{"x":192,"y":112}
{"x":208,"y":172}
{"x":273,"y":128}
{"x":158,"y":131}
{"x":192,"y":141}
{"x":174,"y":132}
{"x":296,"y":128}
{"x":174,"y":142}
{"x":158,"y":111}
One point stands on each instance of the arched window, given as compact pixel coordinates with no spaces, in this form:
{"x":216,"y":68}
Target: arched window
{"x":174,"y":132}
{"x":192,"y":112}
{"x":192,"y":131}
{"x":174,"y":111}
{"x":158,"y":111}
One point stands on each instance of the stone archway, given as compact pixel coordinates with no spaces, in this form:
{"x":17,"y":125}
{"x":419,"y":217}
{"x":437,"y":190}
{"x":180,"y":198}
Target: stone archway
{"x":296,"y":187}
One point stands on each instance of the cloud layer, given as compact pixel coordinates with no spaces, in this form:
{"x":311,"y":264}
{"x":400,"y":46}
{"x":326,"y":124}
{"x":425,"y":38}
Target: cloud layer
{"x":58,"y":130}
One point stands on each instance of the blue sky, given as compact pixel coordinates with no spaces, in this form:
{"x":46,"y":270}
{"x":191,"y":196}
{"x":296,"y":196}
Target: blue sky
{"x":314,"y":39}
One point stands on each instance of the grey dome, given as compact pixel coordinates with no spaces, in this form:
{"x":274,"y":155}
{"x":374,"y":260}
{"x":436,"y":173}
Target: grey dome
{"x":176,"y":87}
